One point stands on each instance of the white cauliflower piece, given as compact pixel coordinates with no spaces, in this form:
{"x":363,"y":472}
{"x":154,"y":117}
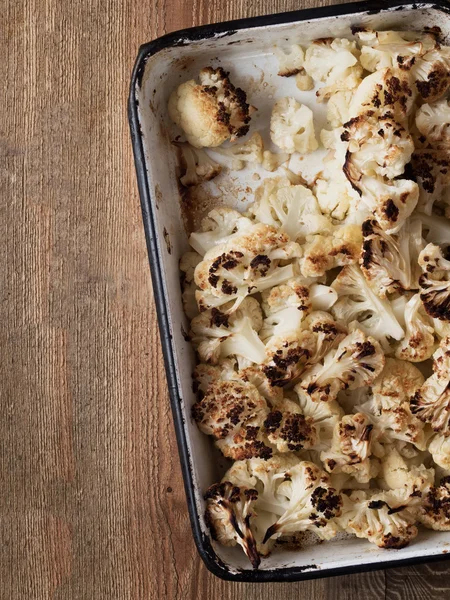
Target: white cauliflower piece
{"x":322,"y":296}
{"x":381,"y":49}
{"x":310,"y":502}
{"x":418,"y":343}
{"x":291,"y":208}
{"x":356,"y":362}
{"x":198,"y":166}
{"x":210,"y":112}
{"x":389,"y":262}
{"x":327,"y":334}
{"x":351,"y":449}
{"x":291,"y":62}
{"x":216,"y":335}
{"x":229,"y":515}
{"x":433,"y":121}
{"x":334,"y":193}
{"x":292,"y":127}
{"x":335,"y":62}
{"x":246,"y":264}
{"x":435,"y":281}
{"x":398,"y":473}
{"x":431,"y":73}
{"x":250,"y":151}
{"x":205,"y":375}
{"x":439,"y":448}
{"x":188,"y":263}
{"x":384,"y":518}
{"x":435,"y":229}
{"x":338,"y":108}
{"x":272,"y":161}
{"x":295,"y":293}
{"x":220,"y":226}
{"x":324,"y":252}
{"x":357,"y":301}
{"x":303,"y":81}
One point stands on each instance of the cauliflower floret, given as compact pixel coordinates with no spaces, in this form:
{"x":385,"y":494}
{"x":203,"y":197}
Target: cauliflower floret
{"x":286,"y":357}
{"x":216,"y":335}
{"x":322,"y":296}
{"x":387,"y":92}
{"x":398,"y":473}
{"x":303,"y":81}
{"x":291,"y":208}
{"x":381,"y":49}
{"x":356,"y":362}
{"x":435,"y":281}
{"x":418,"y":344}
{"x":431,"y":168}
{"x":310,"y":503}
{"x":389,"y":262}
{"x":335,"y":62}
{"x":290,"y":63}
{"x":376,"y":147}
{"x":384,"y":518}
{"x":435,"y":510}
{"x":210,"y":112}
{"x":255,"y":375}
{"x":233,"y":412}
{"x":295,"y":293}
{"x":431,"y":73}
{"x":328,"y":334}
{"x":205,"y":375}
{"x":389,"y":404}
{"x":335,"y":195}
{"x":198,"y":166}
{"x":288,"y":429}
{"x":391,"y":202}
{"x":431,"y":404}
{"x":324,"y":415}
{"x":188,"y":263}
{"x":292,"y":127}
{"x":441,"y":359}
{"x":351,"y":449}
{"x":439,"y":448}
{"x":229,"y":514}
{"x":338,"y":108}
{"x":220,"y":226}
{"x":271,"y":161}
{"x":250,"y":151}
{"x":324,"y":252}
{"x":246,"y":264}
{"x":358,"y":302}
{"x":433,"y":121}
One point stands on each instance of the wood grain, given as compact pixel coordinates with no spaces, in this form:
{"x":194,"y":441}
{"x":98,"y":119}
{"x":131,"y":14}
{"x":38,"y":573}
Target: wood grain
{"x":91,"y":497}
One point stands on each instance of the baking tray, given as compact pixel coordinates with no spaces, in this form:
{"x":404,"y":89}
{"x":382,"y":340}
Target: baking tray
{"x":245,"y":47}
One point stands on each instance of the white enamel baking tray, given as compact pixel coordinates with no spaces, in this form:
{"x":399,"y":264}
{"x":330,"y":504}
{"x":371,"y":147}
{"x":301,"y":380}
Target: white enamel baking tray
{"x":245,"y":48}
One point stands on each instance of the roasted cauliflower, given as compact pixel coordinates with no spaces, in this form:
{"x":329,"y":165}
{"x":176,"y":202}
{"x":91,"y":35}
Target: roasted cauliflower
{"x":292,"y":127}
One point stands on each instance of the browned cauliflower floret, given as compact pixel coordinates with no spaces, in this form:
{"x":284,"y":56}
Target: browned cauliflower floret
{"x":210,"y":112}
{"x":328,"y":334}
{"x":288,"y":429}
{"x":378,"y":147}
{"x":431,"y":403}
{"x":246,"y":264}
{"x":386,"y":519}
{"x":309,"y":500}
{"x":387,"y":92}
{"x":431,"y":169}
{"x":324,"y":252}
{"x":418,"y":343}
{"x":198,"y":166}
{"x":439,"y":448}
{"x":389,"y":404}
{"x":220,"y":226}
{"x":325,"y":416}
{"x":287,"y":356}
{"x":435,"y":281}
{"x":229,"y":514}
{"x":291,"y":62}
{"x":217,"y":335}
{"x":389,"y":262}
{"x":397,"y":472}
{"x":233,"y":413}
{"x":351,"y":449}
{"x":356,"y":362}
{"x":435,"y":510}
{"x":292,"y":294}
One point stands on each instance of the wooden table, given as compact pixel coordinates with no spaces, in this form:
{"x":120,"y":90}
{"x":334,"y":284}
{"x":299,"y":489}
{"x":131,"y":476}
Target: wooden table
{"x":91,"y":498}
